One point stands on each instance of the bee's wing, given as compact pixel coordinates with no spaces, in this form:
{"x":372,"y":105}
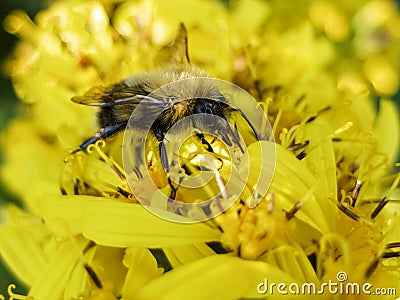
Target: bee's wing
{"x":93,"y":97}
{"x":177,"y":52}
{"x":105,"y":96}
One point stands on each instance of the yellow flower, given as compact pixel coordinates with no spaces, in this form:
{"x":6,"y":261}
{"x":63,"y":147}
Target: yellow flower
{"x":324,"y":209}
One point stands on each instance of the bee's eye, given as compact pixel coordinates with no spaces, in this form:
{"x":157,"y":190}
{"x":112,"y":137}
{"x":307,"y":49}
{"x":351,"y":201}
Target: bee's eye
{"x":205,"y":108}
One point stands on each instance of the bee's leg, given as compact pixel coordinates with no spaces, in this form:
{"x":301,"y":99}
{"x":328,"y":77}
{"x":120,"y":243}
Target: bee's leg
{"x":235,"y":136}
{"x":204,"y":141}
{"x":102,"y":134}
{"x":164,"y":159}
{"x":225,"y":137}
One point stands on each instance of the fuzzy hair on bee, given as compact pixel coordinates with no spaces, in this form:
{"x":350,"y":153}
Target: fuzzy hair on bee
{"x":189,"y":98}
{"x":118,"y":101}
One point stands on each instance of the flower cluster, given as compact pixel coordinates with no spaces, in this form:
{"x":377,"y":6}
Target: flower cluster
{"x":322,"y":71}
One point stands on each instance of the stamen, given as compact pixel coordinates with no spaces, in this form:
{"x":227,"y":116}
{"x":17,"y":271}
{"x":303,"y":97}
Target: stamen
{"x":385,"y":199}
{"x":338,"y":131}
{"x":299,"y":146}
{"x":255,"y":199}
{"x":77,"y":186}
{"x":394,"y":184}
{"x":301,"y":155}
{"x":217,"y":247}
{"x":271,"y":203}
{"x":114,"y":166}
{"x":361,"y":172}
{"x":89,"y":246}
{"x":384,"y":254}
{"x":282,"y":136}
{"x":14,"y":296}
{"x":372,"y":268}
{"x":393,"y":245}
{"x":288,"y":136}
{"x":221,"y":185}
{"x":356,"y":191}
{"x":348,"y":212}
{"x":300,"y":100}
{"x":124,"y":192}
{"x":63,"y":191}
{"x":332,"y":246}
{"x":290,"y":214}
{"x":277,"y":119}
{"x":313,"y":117}
{"x":72,"y":167}
{"x":391,"y":254}
{"x":93,"y":275}
{"x":265,"y":105}
{"x":379,"y":208}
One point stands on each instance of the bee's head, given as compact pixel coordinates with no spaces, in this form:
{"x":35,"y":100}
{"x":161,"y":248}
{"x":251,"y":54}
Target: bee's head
{"x":211,"y":107}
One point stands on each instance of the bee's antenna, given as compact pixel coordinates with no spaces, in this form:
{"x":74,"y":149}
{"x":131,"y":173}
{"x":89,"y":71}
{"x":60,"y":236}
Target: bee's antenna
{"x":248,"y":122}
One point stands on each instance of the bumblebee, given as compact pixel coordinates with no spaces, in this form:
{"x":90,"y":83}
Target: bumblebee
{"x":117,"y":102}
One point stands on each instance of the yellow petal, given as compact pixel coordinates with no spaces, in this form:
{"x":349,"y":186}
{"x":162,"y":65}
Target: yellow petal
{"x":117,"y":224}
{"x":183,"y":254}
{"x":142,"y":269}
{"x":387,"y":129}
{"x":214,"y":277}
{"x":21,"y":245}
{"x":50,"y":284}
{"x":64,"y":215}
{"x":122,"y":225}
{"x":293,"y":182}
{"x":321,"y":162}
{"x":292,"y":261}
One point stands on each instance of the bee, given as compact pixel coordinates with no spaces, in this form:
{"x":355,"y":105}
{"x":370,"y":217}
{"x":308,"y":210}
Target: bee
{"x":118,"y":101}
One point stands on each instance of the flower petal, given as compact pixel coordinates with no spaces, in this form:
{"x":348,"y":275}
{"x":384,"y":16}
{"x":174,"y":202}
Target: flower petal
{"x":50,"y":284}
{"x":23,"y":237}
{"x":388,"y":139}
{"x":142,"y":269}
{"x":321,"y":162}
{"x":209,"y":278}
{"x":293,"y":261}
{"x":119,"y":224}
{"x":293,"y":182}
{"x":183,"y":254}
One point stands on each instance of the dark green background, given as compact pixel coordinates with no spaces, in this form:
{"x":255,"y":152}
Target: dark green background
{"x":8,"y":108}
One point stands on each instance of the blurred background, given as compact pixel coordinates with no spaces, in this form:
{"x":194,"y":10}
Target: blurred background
{"x":8,"y":109}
